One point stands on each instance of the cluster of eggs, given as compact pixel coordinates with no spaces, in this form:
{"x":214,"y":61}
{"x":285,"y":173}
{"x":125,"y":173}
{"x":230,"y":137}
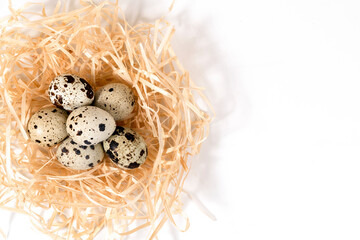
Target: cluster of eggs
{"x":85,"y":124}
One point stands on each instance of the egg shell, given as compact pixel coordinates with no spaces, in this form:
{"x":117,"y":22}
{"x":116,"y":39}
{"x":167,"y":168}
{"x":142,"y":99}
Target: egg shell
{"x":79,"y":157}
{"x":70,"y":92}
{"x":126,"y":148}
{"x":117,"y":99}
{"x":47,"y":126}
{"x":90,"y":125}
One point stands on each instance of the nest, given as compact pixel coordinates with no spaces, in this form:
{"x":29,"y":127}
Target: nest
{"x":97,"y":43}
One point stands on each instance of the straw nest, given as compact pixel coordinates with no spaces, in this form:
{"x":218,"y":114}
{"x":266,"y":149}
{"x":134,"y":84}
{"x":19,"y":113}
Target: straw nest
{"x":96,"y":43}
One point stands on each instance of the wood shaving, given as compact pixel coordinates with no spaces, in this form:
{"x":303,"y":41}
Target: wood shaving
{"x":96,"y":43}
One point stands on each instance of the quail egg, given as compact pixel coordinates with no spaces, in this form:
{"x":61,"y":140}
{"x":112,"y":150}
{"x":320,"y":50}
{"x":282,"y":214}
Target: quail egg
{"x":126,"y":148}
{"x":116,"y":98}
{"x":79,"y":157}
{"x":70,"y":91}
{"x":47,"y":126}
{"x":90,"y":125}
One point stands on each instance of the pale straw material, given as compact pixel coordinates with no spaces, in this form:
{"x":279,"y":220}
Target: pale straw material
{"x":96,"y":43}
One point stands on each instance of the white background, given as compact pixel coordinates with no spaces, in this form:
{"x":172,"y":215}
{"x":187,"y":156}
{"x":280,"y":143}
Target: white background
{"x":282,"y":160}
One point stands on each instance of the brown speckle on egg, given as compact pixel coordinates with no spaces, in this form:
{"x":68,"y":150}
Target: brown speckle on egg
{"x":59,"y":99}
{"x":77,"y":151}
{"x":113,"y":145}
{"x":129,"y":136}
{"x":133,"y":165}
{"x":102,"y":127}
{"x":69,"y":79}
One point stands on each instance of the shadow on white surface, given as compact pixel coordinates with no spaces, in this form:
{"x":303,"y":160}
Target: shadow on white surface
{"x":11,"y":220}
{"x":202,"y":55}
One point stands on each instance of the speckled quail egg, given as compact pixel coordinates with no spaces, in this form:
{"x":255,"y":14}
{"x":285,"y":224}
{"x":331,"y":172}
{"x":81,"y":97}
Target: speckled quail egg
{"x":79,"y":157}
{"x":126,"y":148}
{"x":70,"y":91}
{"x":116,"y":98}
{"x":90,"y":125}
{"x":47,"y":126}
